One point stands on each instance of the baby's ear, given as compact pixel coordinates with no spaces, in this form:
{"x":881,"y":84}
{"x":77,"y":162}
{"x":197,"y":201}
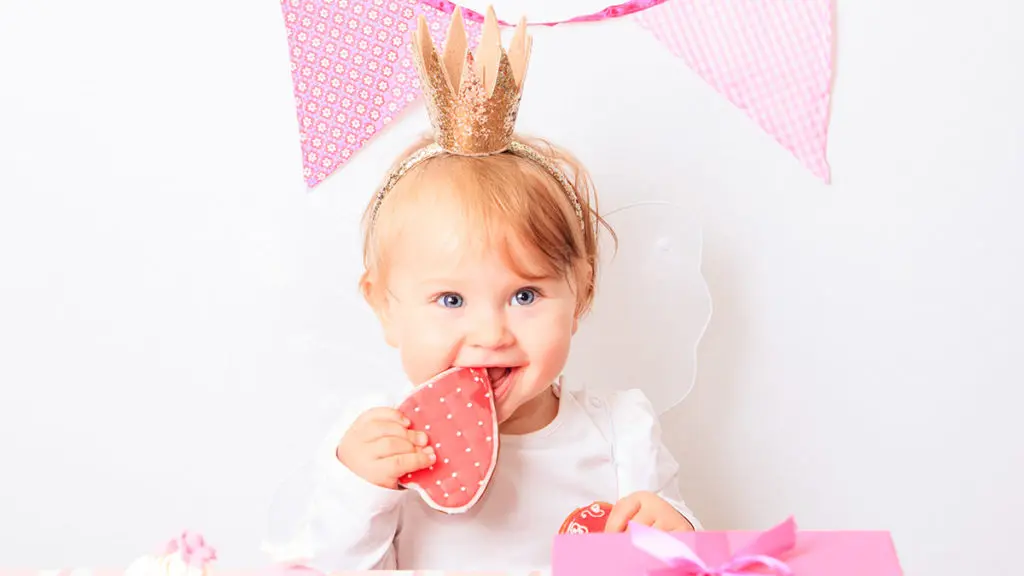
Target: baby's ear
{"x":376,"y":297}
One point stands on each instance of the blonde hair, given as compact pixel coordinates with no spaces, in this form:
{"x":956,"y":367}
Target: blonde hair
{"x":501,"y":194}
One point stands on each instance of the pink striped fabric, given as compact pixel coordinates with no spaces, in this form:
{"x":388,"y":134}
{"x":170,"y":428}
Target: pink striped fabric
{"x":771,"y":58}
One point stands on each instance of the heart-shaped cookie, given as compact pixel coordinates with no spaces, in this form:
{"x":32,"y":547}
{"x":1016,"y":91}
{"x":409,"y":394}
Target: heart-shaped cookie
{"x":456,"y":410}
{"x":587,"y":520}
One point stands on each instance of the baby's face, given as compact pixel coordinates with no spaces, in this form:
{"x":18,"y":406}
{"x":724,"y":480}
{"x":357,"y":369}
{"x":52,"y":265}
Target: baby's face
{"x":453,"y":300}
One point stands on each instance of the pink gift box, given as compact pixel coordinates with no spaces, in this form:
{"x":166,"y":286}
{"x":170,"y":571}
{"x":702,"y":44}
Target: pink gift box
{"x":781,"y":551}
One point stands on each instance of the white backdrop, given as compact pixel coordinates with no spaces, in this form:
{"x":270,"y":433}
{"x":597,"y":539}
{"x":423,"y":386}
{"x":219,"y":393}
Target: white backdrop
{"x":177,"y":311}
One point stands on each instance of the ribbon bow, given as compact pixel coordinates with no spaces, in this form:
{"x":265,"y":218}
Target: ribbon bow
{"x":683,"y":561}
{"x":193,"y":549}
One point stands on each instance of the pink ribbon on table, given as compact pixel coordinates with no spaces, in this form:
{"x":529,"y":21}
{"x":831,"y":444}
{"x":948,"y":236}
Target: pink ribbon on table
{"x":615,"y":11}
{"x":193,"y":549}
{"x":764,"y":551}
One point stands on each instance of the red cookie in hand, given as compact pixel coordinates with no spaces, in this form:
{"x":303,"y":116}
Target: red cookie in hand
{"x":587,"y":520}
{"x":456,"y":410}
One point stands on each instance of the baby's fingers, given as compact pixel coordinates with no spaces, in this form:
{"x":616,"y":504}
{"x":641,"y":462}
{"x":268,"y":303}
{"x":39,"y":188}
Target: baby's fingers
{"x":622,"y":512}
{"x":382,"y":414}
{"x":388,"y":446}
{"x":401,"y":464}
{"x":378,"y":430}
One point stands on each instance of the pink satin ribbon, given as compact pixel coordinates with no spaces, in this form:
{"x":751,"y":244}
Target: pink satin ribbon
{"x":681,"y":560}
{"x":616,"y":11}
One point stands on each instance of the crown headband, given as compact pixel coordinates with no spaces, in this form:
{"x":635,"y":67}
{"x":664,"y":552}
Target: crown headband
{"x":473,"y":101}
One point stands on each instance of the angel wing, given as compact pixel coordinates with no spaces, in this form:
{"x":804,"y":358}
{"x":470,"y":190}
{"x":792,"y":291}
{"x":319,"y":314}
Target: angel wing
{"x":651,"y":309}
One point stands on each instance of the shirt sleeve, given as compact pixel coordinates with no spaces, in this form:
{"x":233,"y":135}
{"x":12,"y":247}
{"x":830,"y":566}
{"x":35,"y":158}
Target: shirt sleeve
{"x":327,"y":518}
{"x":643,"y":461}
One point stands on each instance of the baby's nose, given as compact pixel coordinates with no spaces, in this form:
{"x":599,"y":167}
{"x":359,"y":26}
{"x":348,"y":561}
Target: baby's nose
{"x":490,"y":331}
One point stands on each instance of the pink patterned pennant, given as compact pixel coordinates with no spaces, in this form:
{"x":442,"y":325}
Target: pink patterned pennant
{"x":771,"y":58}
{"x":352,"y":71}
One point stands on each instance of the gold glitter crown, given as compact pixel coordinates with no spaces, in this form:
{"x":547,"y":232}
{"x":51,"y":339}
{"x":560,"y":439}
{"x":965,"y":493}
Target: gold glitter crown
{"x":472,"y":99}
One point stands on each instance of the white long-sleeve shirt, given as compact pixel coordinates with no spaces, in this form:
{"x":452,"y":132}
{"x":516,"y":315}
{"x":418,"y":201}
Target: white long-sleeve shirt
{"x":599,"y":447}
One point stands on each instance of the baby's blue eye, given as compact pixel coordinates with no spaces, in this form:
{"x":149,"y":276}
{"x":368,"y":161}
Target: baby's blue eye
{"x":450,"y":300}
{"x":525,"y":297}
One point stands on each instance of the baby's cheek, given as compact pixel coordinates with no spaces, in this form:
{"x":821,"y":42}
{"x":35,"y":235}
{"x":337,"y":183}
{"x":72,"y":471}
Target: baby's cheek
{"x":555,"y":352}
{"x":427,"y":352}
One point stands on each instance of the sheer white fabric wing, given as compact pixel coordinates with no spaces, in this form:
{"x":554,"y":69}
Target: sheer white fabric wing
{"x":651,"y":310}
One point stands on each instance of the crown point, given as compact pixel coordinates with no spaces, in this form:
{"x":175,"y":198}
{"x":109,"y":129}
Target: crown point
{"x":488,"y":55}
{"x":456,"y":19}
{"x":421,"y":28}
{"x":421,"y":39}
{"x":519,"y":52}
{"x":455,"y":49}
{"x":491,"y":24}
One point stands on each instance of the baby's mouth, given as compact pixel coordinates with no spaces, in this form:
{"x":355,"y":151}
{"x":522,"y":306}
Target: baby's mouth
{"x":499,"y":378}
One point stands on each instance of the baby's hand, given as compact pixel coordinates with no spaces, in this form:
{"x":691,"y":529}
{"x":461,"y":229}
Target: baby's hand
{"x":649,"y":509}
{"x":380,"y":448}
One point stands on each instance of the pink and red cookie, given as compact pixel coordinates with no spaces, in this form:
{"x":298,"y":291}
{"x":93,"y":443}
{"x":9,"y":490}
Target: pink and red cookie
{"x":456,"y":411}
{"x":587,"y":520}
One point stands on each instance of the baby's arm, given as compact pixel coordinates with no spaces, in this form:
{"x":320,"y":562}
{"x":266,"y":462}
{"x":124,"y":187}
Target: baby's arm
{"x":328,"y":518}
{"x":644,"y":462}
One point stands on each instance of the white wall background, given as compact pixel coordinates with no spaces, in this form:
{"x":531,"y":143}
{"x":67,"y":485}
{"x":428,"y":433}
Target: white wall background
{"x":177,"y":311}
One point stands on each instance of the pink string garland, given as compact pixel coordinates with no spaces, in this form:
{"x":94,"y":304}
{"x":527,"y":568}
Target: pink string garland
{"x":615,"y":11}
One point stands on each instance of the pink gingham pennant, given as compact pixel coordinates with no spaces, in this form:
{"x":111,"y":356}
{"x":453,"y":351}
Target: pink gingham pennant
{"x":352,"y":71}
{"x":771,"y":58}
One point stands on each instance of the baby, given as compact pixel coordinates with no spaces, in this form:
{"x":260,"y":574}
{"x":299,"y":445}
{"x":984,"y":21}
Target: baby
{"x":481,"y":251}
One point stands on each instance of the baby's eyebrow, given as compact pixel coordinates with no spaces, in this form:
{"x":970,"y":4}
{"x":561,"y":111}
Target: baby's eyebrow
{"x":439,"y":281}
{"x":539,"y":277}
{"x":535,"y":272}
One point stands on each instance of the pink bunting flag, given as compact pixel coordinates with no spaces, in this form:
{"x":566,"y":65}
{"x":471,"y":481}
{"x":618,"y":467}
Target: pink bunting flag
{"x":771,"y":58}
{"x":353,"y":72}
